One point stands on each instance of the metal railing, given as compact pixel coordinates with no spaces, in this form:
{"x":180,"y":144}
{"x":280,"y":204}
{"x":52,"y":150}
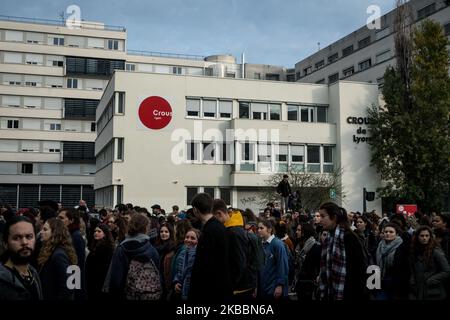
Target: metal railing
{"x":84,"y":25}
{"x":165,"y":55}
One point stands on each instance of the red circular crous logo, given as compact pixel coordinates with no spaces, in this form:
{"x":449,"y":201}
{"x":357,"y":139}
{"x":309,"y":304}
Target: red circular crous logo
{"x":155,"y":112}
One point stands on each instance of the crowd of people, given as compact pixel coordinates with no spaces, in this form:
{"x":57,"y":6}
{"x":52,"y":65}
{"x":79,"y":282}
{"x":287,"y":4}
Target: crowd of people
{"x":214,"y":253}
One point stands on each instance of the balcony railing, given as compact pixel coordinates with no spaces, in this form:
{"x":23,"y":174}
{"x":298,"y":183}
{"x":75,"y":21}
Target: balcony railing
{"x":84,"y":25}
{"x":165,"y":55}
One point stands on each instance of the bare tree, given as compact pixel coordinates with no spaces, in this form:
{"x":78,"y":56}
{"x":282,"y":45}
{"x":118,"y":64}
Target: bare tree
{"x":313,"y":188}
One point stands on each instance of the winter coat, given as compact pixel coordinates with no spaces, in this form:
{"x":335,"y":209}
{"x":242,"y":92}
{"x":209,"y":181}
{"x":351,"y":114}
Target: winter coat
{"x":137,"y":247}
{"x":185,"y":261}
{"x":211,"y":278}
{"x":53,"y":275}
{"x":428,"y":281}
{"x":11,"y":288}
{"x":242,"y":277}
{"x":284,"y":188}
{"x":97,"y":264}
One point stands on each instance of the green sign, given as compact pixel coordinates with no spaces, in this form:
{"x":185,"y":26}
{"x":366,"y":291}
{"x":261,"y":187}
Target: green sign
{"x":332,"y":193}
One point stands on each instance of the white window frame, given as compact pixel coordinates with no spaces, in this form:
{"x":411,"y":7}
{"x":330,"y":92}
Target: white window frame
{"x":219,"y":113}
{"x":311,"y":114}
{"x":199,"y":108}
{"x":203,"y":109}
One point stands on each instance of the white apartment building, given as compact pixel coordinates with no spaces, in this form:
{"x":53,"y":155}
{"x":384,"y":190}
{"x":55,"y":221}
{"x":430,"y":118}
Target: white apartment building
{"x":162,"y":138}
{"x":364,"y":54}
{"x":51,"y":80}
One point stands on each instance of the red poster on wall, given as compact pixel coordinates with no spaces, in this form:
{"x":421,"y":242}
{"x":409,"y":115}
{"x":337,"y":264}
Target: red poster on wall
{"x":409,"y":209}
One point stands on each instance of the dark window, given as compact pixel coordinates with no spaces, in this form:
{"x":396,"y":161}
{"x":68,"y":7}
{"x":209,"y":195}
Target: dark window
{"x":293,"y":113}
{"x":297,"y":75}
{"x":313,"y":154}
{"x":319,"y":64}
{"x":8,"y":194}
{"x":225,"y":195}
{"x":71,"y":195}
{"x":425,"y":12}
{"x":92,"y":126}
{"x":72,"y":83}
{"x":191,"y":192}
{"x":119,"y":194}
{"x":80,"y":109}
{"x":75,"y":65}
{"x":272,"y":76}
{"x":13,"y":124}
{"x":244,"y":110}
{"x":290,"y":77}
{"x":247,"y":155}
{"x":28,"y":195}
{"x":364,"y":42}
{"x":347,"y":51}
{"x":333,"y":78}
{"x":27,"y":168}
{"x":447,"y":29}
{"x":257,"y":75}
{"x":333,"y":58}
{"x":321,"y":81}
{"x":119,"y":148}
{"x":89,"y":195}
{"x":365,"y":64}
{"x":209,"y":191}
{"x":307,"y":70}
{"x":322,"y":114}
{"x":81,"y":152}
{"x":349,"y":71}
{"x":50,"y":192}
{"x":121,"y":107}
{"x":58,"y":63}
{"x":328,"y":154}
{"x":192,"y":151}
{"x":226,"y":152}
{"x":113,"y":44}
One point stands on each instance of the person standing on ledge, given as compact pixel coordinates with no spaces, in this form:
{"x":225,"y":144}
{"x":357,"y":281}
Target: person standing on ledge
{"x":284,"y":190}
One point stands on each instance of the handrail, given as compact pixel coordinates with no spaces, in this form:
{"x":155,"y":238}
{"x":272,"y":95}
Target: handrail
{"x":84,"y":24}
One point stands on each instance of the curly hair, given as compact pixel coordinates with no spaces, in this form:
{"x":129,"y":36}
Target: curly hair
{"x":60,"y":237}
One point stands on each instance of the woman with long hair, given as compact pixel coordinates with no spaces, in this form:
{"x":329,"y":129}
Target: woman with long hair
{"x":343,"y":262}
{"x":165,"y":245}
{"x":98,"y":260}
{"x":185,"y":261}
{"x":56,"y":255}
{"x":430,"y":269}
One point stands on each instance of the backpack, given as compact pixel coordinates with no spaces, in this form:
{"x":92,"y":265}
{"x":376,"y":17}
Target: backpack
{"x":143,"y":281}
{"x":256,"y":256}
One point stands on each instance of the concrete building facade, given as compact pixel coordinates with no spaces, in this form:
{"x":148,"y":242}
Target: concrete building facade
{"x":163,"y":138}
{"x":364,"y":54}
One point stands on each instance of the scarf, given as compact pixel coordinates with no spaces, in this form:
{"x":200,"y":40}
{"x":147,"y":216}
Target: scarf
{"x":332,"y":267}
{"x":386,"y":253}
{"x":306,"y":247}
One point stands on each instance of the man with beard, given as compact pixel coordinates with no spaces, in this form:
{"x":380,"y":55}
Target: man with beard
{"x":18,"y":279}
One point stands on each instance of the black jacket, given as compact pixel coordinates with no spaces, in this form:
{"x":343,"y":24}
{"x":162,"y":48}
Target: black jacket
{"x":211,"y":279}
{"x":284,"y":188}
{"x":138,"y":247}
{"x":356,"y":266}
{"x":97,"y":264}
{"x":11,"y":288}
{"x":54,"y":276}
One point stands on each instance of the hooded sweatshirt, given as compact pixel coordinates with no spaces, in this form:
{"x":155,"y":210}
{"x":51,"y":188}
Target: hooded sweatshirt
{"x":137,"y":247}
{"x":11,"y":288}
{"x":243,"y":278}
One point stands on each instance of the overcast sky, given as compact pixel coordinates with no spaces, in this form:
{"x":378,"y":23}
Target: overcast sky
{"x":277,"y":32}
